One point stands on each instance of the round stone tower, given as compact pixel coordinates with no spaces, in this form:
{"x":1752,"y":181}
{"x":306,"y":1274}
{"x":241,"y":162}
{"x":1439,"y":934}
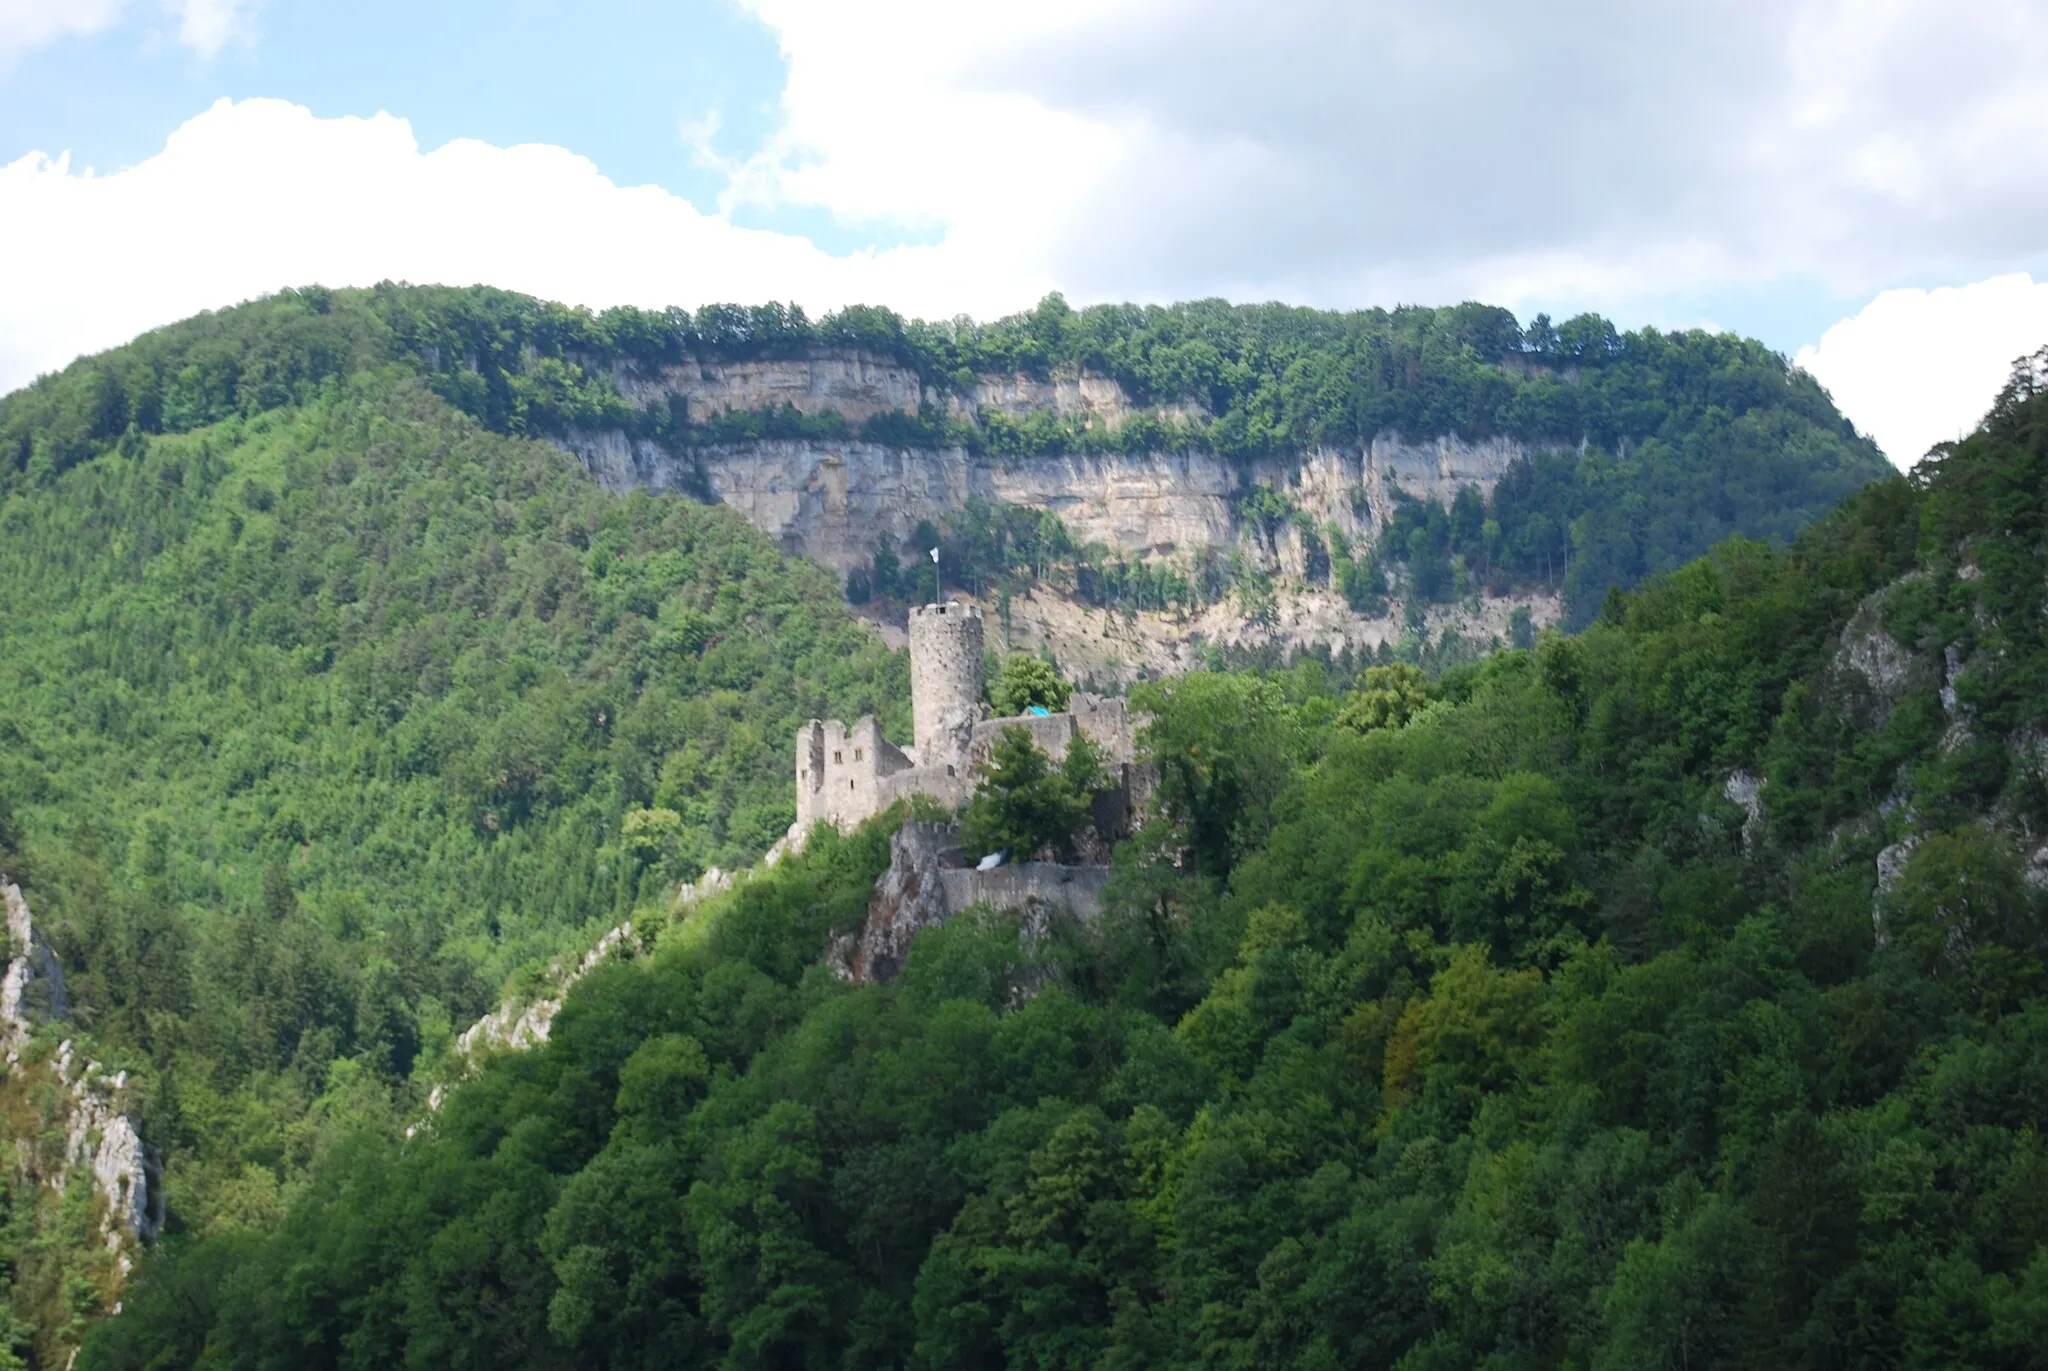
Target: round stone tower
{"x":945,"y":680}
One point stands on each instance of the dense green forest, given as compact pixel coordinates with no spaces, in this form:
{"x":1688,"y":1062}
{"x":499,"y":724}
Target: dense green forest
{"x":318,"y":724}
{"x":1649,"y":446}
{"x":333,"y":703}
{"x":1434,"y":1023}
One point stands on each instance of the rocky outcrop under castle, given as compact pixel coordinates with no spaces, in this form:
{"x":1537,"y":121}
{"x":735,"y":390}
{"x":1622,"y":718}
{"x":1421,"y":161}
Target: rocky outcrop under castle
{"x":929,"y":881}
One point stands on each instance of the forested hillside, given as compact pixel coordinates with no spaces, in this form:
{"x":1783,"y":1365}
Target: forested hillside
{"x":1669,"y":995}
{"x":1647,"y":446}
{"x":334,"y":700}
{"x":317,"y":724}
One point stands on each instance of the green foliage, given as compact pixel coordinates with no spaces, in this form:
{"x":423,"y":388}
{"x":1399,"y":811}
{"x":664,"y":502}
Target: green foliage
{"x":1456,"y":1023}
{"x":1027,"y":805}
{"x":1480,"y":1027}
{"x":1648,"y":447}
{"x":1225,"y":746}
{"x":1026,"y":681}
{"x":1388,"y":697}
{"x":324,"y":722}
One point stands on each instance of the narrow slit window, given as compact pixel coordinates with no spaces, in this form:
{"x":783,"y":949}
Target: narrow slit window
{"x":835,"y":759}
{"x":857,"y":754}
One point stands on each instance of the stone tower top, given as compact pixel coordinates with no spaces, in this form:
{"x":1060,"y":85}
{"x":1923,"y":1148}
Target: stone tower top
{"x":945,"y":680}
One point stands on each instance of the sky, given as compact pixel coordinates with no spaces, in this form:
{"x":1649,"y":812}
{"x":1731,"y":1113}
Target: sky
{"x":1858,"y":183}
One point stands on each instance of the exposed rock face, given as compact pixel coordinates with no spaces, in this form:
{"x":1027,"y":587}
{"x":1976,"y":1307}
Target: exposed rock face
{"x":520,"y":1024}
{"x":1891,"y":868}
{"x":1105,"y":645}
{"x":99,"y":1134}
{"x":860,"y":385}
{"x":909,"y":898}
{"x":104,"y":1139}
{"x":1746,"y":792}
{"x":1872,"y":672}
{"x":928,"y":882}
{"x":831,"y":501}
{"x":32,"y":972}
{"x":856,"y":384}
{"x":2036,"y":873}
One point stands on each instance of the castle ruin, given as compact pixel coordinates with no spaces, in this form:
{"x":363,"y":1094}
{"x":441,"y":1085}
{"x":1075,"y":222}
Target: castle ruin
{"x":846,"y":773}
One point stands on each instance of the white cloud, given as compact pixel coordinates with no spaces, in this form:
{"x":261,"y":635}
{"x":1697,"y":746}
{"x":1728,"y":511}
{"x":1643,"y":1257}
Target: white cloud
{"x":249,"y":197}
{"x":26,"y":24}
{"x":1607,"y":155}
{"x":1917,"y":367}
{"x":1355,"y":151}
{"x":206,"y":26}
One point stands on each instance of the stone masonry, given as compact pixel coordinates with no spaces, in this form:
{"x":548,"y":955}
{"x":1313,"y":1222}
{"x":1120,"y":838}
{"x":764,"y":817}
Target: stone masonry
{"x":945,"y":680}
{"x":846,"y":773}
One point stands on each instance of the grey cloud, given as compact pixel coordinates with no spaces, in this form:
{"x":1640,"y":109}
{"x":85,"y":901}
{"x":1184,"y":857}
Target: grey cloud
{"x":1403,"y":141}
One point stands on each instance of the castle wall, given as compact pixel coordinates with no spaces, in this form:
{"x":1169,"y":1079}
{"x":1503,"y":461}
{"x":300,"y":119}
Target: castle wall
{"x":844,"y":772}
{"x":1076,"y":889}
{"x":927,"y":883}
{"x":1050,"y":732}
{"x":951,"y":786}
{"x":810,"y":774}
{"x":1108,"y":723}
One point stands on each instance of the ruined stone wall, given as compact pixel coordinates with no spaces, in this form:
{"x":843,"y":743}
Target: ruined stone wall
{"x":843,"y":771}
{"x":845,"y":774}
{"x":1049,"y":732}
{"x":1108,"y":722}
{"x":928,"y":883}
{"x":1075,"y":889}
{"x":951,"y":786}
{"x":810,"y":774}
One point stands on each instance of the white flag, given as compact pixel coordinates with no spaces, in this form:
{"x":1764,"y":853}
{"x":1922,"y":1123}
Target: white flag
{"x":935,"y":556}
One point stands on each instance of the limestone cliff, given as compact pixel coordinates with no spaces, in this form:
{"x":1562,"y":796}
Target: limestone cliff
{"x":858,"y":385}
{"x":81,"y":1123}
{"x":832,"y":499}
